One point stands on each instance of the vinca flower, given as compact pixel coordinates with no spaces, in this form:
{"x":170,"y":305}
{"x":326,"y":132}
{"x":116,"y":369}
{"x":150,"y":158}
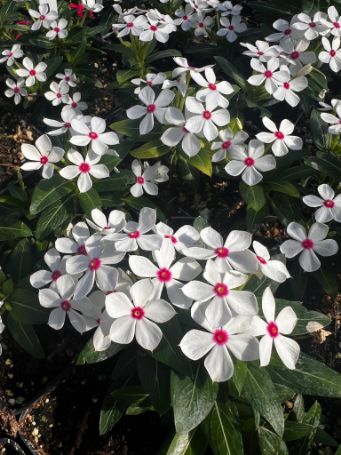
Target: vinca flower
{"x":185,"y":237}
{"x":68,"y":77}
{"x":286,"y":90}
{"x":329,"y":205}
{"x":285,"y":31}
{"x":75,"y":104}
{"x":43,"y":17}
{"x":331,"y":53}
{"x":58,"y":93}
{"x":16,"y":89}
{"x":10,"y":55}
{"x":333,"y":22}
{"x":62,"y":126}
{"x":78,"y":242}
{"x":231,"y":28}
{"x":132,"y":24}
{"x":58,"y":29}
{"x":281,"y":138}
{"x":230,"y":142}
{"x":57,"y":268}
{"x":267,"y":74}
{"x":333,"y":120}
{"x":213,"y":91}
{"x":147,"y":178}
{"x":31,"y":72}
{"x":115,"y":222}
{"x":271,"y":268}
{"x":151,"y":80}
{"x":261,"y":50}
{"x":311,"y":27}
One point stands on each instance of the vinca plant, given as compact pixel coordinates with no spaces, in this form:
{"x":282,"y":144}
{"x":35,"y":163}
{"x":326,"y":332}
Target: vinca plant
{"x":137,"y":109}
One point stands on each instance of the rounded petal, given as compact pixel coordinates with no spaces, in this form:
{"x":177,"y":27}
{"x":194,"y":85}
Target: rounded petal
{"x":265,"y":349}
{"x":196,"y":343}
{"x":219,"y":364}
{"x":288,"y":351}
{"x":123,"y":330}
{"x":148,"y":334}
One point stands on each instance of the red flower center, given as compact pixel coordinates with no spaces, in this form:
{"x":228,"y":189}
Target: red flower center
{"x":67,"y":78}
{"x":272,"y":329}
{"x":67,"y":125}
{"x":220,"y":337}
{"x":164,"y":275}
{"x":55,"y":275}
{"x":32,"y":72}
{"x":151,"y":108}
{"x":230,"y":27}
{"x":222,"y":252}
{"x":332,"y":53}
{"x":74,"y":104}
{"x":44,"y":160}
{"x":185,"y":130}
{"x":153,"y":28}
{"x":279,"y":135}
{"x":81,"y":250}
{"x":150,"y":83}
{"x":226,"y":145}
{"x":93,"y":135}
{"x":261,"y":260}
{"x":212,"y":86}
{"x":134,"y":235}
{"x":185,"y":18}
{"x":268,"y":74}
{"x":94,"y":264}
{"x":140,"y":180}
{"x":308,"y":244}
{"x":10,"y":54}
{"x":336,"y":24}
{"x":312,"y":24}
{"x":329,"y":203}
{"x":286,"y":85}
{"x":65,"y":305}
{"x":16,"y":90}
{"x":221,"y":290}
{"x":295,"y":55}
{"x":249,"y":162}
{"x":57,"y":29}
{"x":287,"y":31}
{"x":201,"y":25}
{"x":207,"y":115}
{"x":130,"y":25}
{"x":260,"y":53}
{"x":171,"y":238}
{"x":42,"y":17}
{"x":84,"y":167}
{"x":58,"y":95}
{"x":137,"y":313}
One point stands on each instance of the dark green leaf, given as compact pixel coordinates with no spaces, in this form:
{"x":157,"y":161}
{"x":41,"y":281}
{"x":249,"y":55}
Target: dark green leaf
{"x":12,"y":231}
{"x":270,"y":443}
{"x":89,"y":355}
{"x":25,"y":307}
{"x":26,"y":337}
{"x":89,"y":201}
{"x":51,"y":219}
{"x":47,"y":192}
{"x":20,"y":263}
{"x":203,"y":162}
{"x":253,"y":196}
{"x":192,"y":443}
{"x":152,"y":149}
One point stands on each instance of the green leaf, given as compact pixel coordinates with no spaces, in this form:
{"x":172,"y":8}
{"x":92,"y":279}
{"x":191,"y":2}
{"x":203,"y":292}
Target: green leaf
{"x":26,"y":337}
{"x":51,"y":219}
{"x":222,"y":429}
{"x":253,"y":195}
{"x":111,"y":412}
{"x":128,"y":127}
{"x":12,"y":231}
{"x":167,"y":53}
{"x":239,"y":375}
{"x":282,"y":187}
{"x":25,"y":307}
{"x":89,"y":201}
{"x":192,"y":443}
{"x":123,"y":76}
{"x":270,"y":443}
{"x":192,"y":399}
{"x":152,"y":149}
{"x":21,"y":260}
{"x":310,"y":377}
{"x":203,"y":162}
{"x":117,"y":182}
{"x":53,"y":64}
{"x":47,"y":192}
{"x":260,"y":392}
{"x":328,"y":164}
{"x":231,"y":71}
{"x":88,"y":355}
{"x":200,"y":223}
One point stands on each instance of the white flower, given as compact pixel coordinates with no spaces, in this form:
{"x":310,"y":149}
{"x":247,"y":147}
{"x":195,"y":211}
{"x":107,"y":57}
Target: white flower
{"x":75,"y":104}
{"x":185,"y":237}
{"x":96,"y":265}
{"x":137,"y":318}
{"x":184,"y":66}
{"x":288,"y":87}
{"x":230,"y":142}
{"x":202,"y":25}
{"x":151,"y":79}
{"x":62,"y":126}
{"x":281,"y":138}
{"x":146,"y":178}
{"x":132,"y":24}
{"x":80,"y":241}
{"x":249,"y":163}
{"x":180,"y":83}
{"x":310,"y":27}
{"x":273,"y":329}
{"x":84,"y":168}
{"x":58,"y":93}
{"x":57,"y":268}
{"x":205,"y":118}
{"x":261,"y":50}
{"x":167,"y":273}
{"x":333,"y":22}
{"x":43,"y":17}
{"x":307,"y":246}
{"x":43,"y":155}
{"x":154,"y":31}
{"x":331,"y":54}
{"x":68,"y":77}
{"x":216,"y":341}
{"x":58,"y":29}
{"x":231,"y":254}
{"x":93,"y":134}
{"x":285,"y":33}
{"x":31,"y":72}
{"x":135,"y":234}
{"x":231,"y":28}
{"x":335,"y":122}
{"x":10,"y":55}
{"x":16,"y":89}
{"x":152,"y":107}
{"x":329,"y":204}
{"x":186,"y":17}
{"x":227,"y":8}
{"x":271,"y":268}
{"x":115,"y":222}
{"x":63,"y":304}
{"x":213,"y":91}
{"x":94,"y":6}
{"x":268,"y":74}
{"x":297,"y":55}
{"x":190,"y":144}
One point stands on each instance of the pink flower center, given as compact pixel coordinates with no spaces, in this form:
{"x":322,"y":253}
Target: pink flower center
{"x":55,"y":275}
{"x":164,"y":275}
{"x":74,"y":104}
{"x":151,"y":108}
{"x":32,"y":72}
{"x":295,"y":55}
{"x":207,"y":115}
{"x":134,"y":235}
{"x":67,"y":125}
{"x":220,"y":337}
{"x":67,"y":78}
{"x":230,"y":27}
{"x":222,"y":252}
{"x":221,"y":290}
{"x":140,"y":180}
{"x":260,"y":53}
{"x":212,"y":86}
{"x":261,"y":260}
{"x":93,"y":135}
{"x":58,"y":95}
{"x":137,"y":313}
{"x":185,"y":18}
{"x":94,"y":264}
{"x":185,"y":130}
{"x":268,"y":74}
{"x":84,"y":168}
{"x":336,"y":24}
{"x":171,"y":238}
{"x":10,"y":54}
{"x":57,"y":29}
{"x":130,"y":25}
{"x":44,"y":160}
{"x":226,"y":145}
{"x":249,"y":162}
{"x":201,"y":25}
{"x":16,"y":89}
{"x":81,"y":250}
{"x":329,"y":203}
{"x":42,"y":17}
{"x":65,"y":305}
{"x":286,"y":85}
{"x":279,"y":135}
{"x":332,"y":53}
{"x":312,"y":24}
{"x":150,"y":83}
{"x":153,"y":28}
{"x":272,"y":329}
{"x":308,"y":244}
{"x":287,"y":32}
